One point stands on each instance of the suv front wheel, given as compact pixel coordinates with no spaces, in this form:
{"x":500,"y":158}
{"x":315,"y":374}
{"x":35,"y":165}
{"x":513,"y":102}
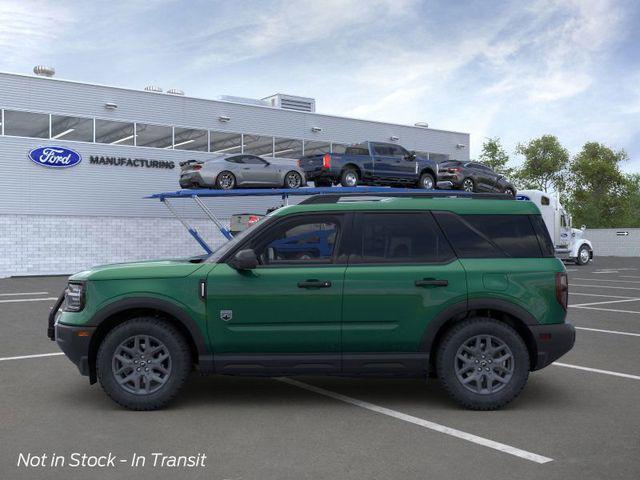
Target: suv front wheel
{"x":143,"y":363}
{"x":482,"y":363}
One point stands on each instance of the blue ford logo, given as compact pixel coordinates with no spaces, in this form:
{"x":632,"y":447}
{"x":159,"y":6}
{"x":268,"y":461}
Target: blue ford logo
{"x":56,"y":157}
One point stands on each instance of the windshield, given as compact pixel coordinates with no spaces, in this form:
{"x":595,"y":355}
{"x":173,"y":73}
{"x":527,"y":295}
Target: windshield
{"x":223,"y":249}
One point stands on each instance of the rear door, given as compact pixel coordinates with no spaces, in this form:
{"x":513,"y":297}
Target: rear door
{"x":383,"y":160}
{"x":402,"y":272}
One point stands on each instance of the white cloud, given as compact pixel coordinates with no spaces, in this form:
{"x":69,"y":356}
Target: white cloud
{"x":30,"y":30}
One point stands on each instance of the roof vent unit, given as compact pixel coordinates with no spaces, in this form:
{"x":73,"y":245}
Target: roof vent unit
{"x":244,"y":100}
{"x":153,"y":88}
{"x":175,"y":91}
{"x":43,"y":71}
{"x":291,"y":102}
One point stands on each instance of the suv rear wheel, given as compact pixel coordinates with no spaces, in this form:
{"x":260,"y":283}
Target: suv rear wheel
{"x":468,"y":185}
{"x":143,"y":363}
{"x":482,"y":363}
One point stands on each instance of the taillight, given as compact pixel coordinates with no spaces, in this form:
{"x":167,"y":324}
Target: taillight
{"x":298,"y":162}
{"x":326,"y":161}
{"x":454,"y":170}
{"x":196,"y":167}
{"x":253,"y":219}
{"x":562,"y":289}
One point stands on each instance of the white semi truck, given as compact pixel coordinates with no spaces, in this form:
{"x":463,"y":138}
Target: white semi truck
{"x":568,"y":242}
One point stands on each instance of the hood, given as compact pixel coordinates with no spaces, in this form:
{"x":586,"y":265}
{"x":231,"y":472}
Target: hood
{"x":577,"y":233}
{"x":175,"y":268}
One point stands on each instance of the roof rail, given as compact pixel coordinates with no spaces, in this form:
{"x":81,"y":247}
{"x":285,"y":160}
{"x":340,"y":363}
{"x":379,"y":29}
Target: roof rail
{"x":336,"y":197}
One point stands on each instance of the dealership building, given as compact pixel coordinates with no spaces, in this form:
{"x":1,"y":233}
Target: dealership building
{"x":128,"y":144}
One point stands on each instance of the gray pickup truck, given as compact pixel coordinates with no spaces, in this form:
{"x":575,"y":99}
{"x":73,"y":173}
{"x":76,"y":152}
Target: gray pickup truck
{"x":371,"y":163}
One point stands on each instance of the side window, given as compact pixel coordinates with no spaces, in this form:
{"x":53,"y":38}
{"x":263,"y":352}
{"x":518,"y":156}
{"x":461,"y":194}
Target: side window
{"x":253,"y":160}
{"x":544,"y":239}
{"x":381,"y":150}
{"x":238,"y":159}
{"x":544,"y":200}
{"x":400,"y":238}
{"x":306,"y":241}
{"x":514,"y":234}
{"x":467,"y":241}
{"x":398,"y":151}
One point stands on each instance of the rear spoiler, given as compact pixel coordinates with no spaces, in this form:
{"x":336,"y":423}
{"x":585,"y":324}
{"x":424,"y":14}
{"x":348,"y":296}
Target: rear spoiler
{"x":189,"y":162}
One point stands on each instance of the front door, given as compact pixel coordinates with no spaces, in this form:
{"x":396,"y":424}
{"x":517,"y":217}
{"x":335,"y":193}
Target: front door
{"x":401,"y":274}
{"x":271,"y":318}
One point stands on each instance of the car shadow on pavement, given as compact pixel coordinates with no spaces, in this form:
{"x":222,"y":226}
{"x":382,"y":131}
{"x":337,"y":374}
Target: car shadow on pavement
{"x":219,"y":390}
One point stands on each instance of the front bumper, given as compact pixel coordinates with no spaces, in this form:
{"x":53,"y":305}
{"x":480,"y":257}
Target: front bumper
{"x":74,"y":342}
{"x":552,"y":341}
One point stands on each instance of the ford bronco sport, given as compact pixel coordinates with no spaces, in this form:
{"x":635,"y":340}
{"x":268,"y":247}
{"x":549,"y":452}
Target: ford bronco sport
{"x":465,"y":289}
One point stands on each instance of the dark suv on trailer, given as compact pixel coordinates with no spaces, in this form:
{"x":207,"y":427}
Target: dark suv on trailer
{"x":474,"y":177}
{"x":466,"y":289}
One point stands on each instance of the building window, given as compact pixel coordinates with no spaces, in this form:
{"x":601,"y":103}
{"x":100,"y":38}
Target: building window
{"x":190,"y":139}
{"x":71,"y":128}
{"x":258,"y":145}
{"x":287,"y":148}
{"x":115,"y":133}
{"x":157,"y":136}
{"x":316,"y":148}
{"x":226,"y":142}
{"x":26,"y":124}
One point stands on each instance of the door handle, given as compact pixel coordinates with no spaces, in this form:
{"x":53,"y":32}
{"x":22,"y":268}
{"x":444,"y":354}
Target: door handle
{"x":431,"y":282}
{"x":314,"y":284}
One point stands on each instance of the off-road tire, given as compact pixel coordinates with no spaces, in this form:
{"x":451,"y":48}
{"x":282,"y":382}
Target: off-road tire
{"x":446,"y":362}
{"x":171,"y":338}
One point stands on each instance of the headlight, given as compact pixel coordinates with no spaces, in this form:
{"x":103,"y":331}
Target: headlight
{"x":74,"y":297}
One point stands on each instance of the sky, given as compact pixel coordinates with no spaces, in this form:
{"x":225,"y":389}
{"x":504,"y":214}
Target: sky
{"x":514,"y":70}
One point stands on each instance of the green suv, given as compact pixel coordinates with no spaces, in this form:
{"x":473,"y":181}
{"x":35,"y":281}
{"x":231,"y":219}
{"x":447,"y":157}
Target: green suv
{"x":464,"y":289}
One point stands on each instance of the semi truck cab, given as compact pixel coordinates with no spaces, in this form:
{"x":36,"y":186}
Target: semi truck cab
{"x":568,"y":242}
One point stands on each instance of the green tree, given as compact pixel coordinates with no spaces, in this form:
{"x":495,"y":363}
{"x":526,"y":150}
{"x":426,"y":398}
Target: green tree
{"x":495,"y":157}
{"x":545,"y":164}
{"x":600,"y":195}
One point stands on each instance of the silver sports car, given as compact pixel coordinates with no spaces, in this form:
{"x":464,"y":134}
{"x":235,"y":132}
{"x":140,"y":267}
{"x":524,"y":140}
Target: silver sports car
{"x":241,"y":170}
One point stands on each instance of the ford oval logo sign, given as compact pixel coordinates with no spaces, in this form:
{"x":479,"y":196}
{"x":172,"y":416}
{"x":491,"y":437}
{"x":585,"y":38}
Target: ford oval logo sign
{"x":55,"y":157}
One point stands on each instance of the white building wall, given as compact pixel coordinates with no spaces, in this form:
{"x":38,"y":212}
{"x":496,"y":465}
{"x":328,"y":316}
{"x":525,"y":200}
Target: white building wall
{"x":611,"y":242}
{"x":53,"y":245}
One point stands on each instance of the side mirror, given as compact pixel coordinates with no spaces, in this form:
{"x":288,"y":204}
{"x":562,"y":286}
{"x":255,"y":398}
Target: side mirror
{"x":411,"y":156}
{"x":244,"y":260}
{"x":583,"y":228}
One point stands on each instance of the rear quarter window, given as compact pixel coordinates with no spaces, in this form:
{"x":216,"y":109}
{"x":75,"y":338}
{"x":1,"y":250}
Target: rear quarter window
{"x":491,"y":236}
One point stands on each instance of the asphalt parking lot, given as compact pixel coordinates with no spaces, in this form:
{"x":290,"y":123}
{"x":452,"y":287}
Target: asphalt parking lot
{"x":579,"y":418}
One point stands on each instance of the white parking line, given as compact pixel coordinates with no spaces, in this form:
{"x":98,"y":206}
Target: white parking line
{"x":604,"y":286}
{"x":22,"y":357}
{"x":23,"y":293}
{"x":596,"y":295}
{"x":608,"y":331}
{"x":597,"y":370}
{"x":608,"y":309}
{"x":607,"y":280}
{"x":16,"y":300}
{"x":629,"y":276}
{"x":605,"y":302}
{"x":485,"y":442}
